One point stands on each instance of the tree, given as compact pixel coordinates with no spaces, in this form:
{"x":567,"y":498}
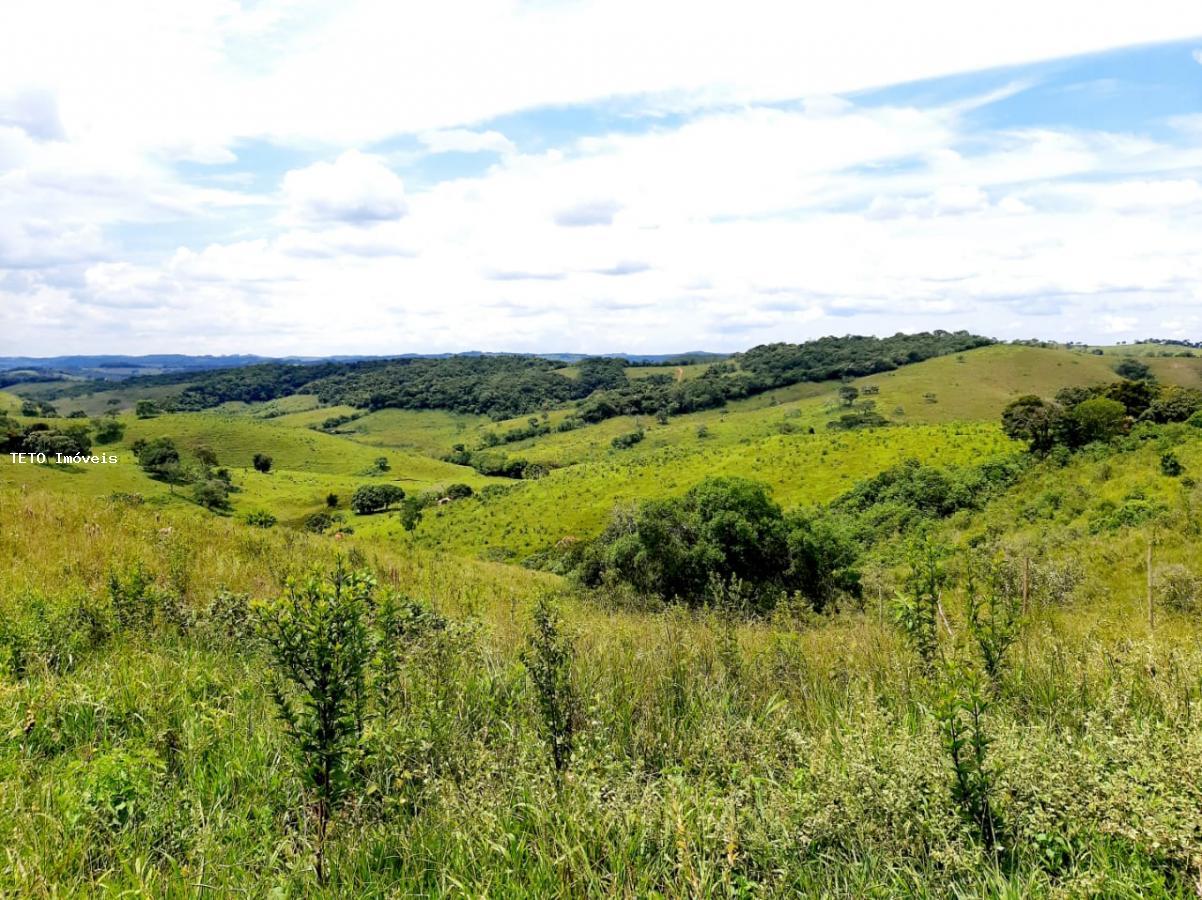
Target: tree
{"x":1030,"y":419}
{"x":262,"y":463}
{"x":1136,"y":396}
{"x":317,"y":637}
{"x":373,"y":498}
{"x":206,"y":456}
{"x":108,"y":430}
{"x":1174,"y":404}
{"x":1133,"y":370}
{"x":146,"y":409}
{"x":411,"y":513}
{"x":332,"y":500}
{"x":72,"y":441}
{"x":722,"y":528}
{"x":848,"y":394}
{"x":154,"y":455}
{"x":822,"y":555}
{"x":458,"y":491}
{"x":1100,"y":419}
{"x":212,"y":493}
{"x":381,"y":464}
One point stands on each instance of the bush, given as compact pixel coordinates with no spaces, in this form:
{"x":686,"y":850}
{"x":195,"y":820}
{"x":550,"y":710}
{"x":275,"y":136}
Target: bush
{"x":262,"y":463}
{"x":317,"y":638}
{"x":548,"y":658}
{"x":1170,"y":465}
{"x":212,"y":493}
{"x":1177,"y":588}
{"x":628,"y":440}
{"x":260,"y":519}
{"x":458,"y":491}
{"x":318,"y":522}
{"x":722,"y":529}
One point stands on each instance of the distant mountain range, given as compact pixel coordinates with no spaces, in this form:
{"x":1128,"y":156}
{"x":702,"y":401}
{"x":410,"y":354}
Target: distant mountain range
{"x":117,"y":367}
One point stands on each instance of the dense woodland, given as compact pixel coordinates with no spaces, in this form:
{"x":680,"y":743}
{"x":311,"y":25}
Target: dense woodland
{"x":504,"y":386}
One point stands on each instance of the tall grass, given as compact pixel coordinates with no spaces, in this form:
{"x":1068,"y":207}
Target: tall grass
{"x":712,"y":756}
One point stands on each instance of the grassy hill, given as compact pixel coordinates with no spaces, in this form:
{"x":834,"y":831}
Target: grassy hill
{"x":801,"y":755}
{"x":800,"y":468}
{"x":801,"y":752}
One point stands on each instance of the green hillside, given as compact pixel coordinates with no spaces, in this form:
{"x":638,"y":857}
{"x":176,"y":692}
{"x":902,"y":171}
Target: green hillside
{"x":941,"y":587}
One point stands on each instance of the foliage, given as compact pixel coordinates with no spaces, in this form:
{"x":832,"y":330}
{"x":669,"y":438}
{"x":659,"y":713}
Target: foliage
{"x":628,"y":440}
{"x":961,"y":711}
{"x":317,"y":637}
{"x":549,"y":661}
{"x":212,"y":493}
{"x":994,"y":609}
{"x":917,"y":608}
{"x":373,"y":498}
{"x":108,"y":430}
{"x":1178,"y":588}
{"x":262,"y":463}
{"x":723,"y":529}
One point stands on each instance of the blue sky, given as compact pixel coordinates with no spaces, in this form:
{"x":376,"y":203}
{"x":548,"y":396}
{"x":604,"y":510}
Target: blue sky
{"x":293,"y":177}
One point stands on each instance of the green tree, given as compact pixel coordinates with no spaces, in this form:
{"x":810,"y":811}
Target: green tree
{"x":1133,"y":370}
{"x":373,"y":498}
{"x":1100,"y":419}
{"x":262,"y":463}
{"x":1032,"y":420}
{"x":146,"y":409}
{"x":108,"y":430}
{"x":212,"y":493}
{"x":848,"y":394}
{"x":411,"y":513}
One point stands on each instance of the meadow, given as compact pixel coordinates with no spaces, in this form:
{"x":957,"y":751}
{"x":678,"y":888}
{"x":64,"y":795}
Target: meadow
{"x":709,"y":752}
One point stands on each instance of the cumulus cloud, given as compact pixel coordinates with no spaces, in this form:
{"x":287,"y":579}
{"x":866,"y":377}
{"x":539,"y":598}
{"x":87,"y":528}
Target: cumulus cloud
{"x":129,"y":138}
{"x":356,"y":187}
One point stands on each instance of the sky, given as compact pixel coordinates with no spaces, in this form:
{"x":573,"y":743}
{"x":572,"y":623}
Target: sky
{"x":290,"y":177}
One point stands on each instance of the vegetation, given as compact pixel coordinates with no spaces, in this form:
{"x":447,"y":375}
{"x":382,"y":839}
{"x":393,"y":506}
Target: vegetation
{"x":911,"y":660}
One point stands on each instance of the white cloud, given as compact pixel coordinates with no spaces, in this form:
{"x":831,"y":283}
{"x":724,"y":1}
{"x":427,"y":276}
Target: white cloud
{"x":464,"y":140}
{"x":735,"y":221}
{"x":356,"y":187}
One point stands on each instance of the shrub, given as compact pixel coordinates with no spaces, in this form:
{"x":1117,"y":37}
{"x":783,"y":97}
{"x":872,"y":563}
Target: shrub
{"x":318,"y":522}
{"x":212,"y":493}
{"x":262,"y":463}
{"x":1178,"y":588}
{"x":1170,"y":465}
{"x":108,"y":430}
{"x":548,"y":658}
{"x":628,"y":440}
{"x":458,"y":491}
{"x":260,"y":519}
{"x":317,"y":639}
{"x":960,"y":711}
